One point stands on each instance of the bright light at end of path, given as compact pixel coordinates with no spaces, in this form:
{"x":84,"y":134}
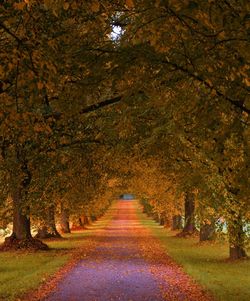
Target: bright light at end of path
{"x":127,"y":197}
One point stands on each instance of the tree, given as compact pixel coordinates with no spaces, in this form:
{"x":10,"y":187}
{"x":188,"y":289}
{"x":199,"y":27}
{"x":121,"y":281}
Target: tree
{"x":32,"y":128}
{"x":175,"y":83}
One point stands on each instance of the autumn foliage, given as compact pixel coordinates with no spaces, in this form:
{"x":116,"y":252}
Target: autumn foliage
{"x":161,"y":108}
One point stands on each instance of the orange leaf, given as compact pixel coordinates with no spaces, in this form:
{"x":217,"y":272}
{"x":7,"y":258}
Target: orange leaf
{"x":247,"y":81}
{"x":95,"y":6}
{"x":130,"y":3}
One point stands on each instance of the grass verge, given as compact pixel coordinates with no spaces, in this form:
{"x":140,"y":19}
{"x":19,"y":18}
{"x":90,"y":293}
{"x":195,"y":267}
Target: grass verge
{"x":206,"y":263}
{"x":21,"y":272}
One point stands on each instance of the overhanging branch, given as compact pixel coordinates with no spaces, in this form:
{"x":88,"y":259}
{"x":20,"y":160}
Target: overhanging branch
{"x":234,"y":102}
{"x":101,"y":104}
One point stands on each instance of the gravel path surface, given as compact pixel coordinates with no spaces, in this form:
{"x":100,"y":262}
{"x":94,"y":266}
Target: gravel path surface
{"x":128,"y":264}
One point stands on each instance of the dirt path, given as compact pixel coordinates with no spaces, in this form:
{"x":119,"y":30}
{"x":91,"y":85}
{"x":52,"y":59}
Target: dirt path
{"x":127,"y":264}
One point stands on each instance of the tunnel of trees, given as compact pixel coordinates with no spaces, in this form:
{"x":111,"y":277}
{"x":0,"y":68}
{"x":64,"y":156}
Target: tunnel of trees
{"x":102,"y":97}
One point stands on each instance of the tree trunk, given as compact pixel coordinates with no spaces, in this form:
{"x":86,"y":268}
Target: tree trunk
{"x":162,"y":221}
{"x":21,"y":237}
{"x":207,"y":231}
{"x":21,"y":220}
{"x":236,"y":239}
{"x":78,"y":224}
{"x":156,"y":217}
{"x":93,"y":218}
{"x":64,"y":221}
{"x":189,"y":227}
{"x":43,"y":232}
{"x":237,"y":252}
{"x":177,"y":222}
{"x":85,"y":220}
{"x":49,"y":229}
{"x":189,"y":213}
{"x":167,"y":222}
{"x":52,"y":223}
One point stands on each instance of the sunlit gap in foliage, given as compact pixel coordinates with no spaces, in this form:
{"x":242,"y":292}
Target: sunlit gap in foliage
{"x":116,"y":33}
{"x":117,"y":28}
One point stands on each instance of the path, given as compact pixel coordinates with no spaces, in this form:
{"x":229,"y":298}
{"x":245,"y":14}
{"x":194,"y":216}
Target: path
{"x":127,"y":265}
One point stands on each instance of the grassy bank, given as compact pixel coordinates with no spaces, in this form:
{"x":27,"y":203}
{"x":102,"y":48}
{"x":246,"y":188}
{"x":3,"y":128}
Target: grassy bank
{"x":207,"y":263}
{"x":21,"y":271}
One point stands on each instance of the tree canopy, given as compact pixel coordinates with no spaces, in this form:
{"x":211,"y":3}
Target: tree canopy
{"x":161,"y":107}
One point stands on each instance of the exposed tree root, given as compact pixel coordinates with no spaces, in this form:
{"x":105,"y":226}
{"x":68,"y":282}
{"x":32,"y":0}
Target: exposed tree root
{"x":12,"y":244}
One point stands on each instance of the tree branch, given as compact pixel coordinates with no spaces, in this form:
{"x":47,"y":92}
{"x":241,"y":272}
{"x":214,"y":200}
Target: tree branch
{"x":234,"y":102}
{"x":6,"y":29}
{"x":22,"y":43}
{"x":101,"y":104}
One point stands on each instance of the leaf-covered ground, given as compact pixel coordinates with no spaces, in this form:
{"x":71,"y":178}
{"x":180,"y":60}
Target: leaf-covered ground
{"x":125,"y":263}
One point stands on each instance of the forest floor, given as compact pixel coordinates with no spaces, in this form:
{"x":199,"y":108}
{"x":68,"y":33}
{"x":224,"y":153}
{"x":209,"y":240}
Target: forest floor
{"x":125,"y":262}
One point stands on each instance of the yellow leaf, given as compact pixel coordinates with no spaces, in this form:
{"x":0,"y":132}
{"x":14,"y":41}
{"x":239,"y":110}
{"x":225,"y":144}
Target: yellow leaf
{"x":247,"y":81}
{"x":95,"y":6}
{"x":130,"y":3}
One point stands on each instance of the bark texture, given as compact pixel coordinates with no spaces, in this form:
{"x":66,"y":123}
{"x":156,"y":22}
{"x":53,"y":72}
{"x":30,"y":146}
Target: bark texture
{"x":64,"y":222}
{"x":189,"y":227}
{"x":21,"y":220}
{"x":21,"y":237}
